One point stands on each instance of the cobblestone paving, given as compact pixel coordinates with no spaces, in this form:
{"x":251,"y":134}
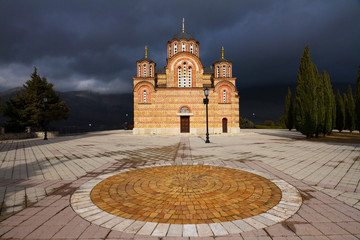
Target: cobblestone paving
{"x":48,"y":172}
{"x":184,"y":194}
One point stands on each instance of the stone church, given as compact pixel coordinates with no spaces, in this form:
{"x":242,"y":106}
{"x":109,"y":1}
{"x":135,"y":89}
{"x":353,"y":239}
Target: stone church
{"x":170,"y":100}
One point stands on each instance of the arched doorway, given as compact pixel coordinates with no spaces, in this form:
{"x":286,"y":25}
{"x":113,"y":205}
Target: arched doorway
{"x":224,"y":125}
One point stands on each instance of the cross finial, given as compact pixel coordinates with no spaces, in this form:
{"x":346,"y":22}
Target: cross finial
{"x":222,"y":53}
{"x":183,"y":26}
{"x":145,"y":51}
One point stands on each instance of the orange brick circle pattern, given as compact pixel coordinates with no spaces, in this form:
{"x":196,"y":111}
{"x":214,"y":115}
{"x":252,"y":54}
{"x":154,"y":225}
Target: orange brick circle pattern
{"x":191,"y":194}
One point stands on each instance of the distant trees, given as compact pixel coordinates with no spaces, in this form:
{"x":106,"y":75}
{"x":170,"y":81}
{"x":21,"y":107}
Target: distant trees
{"x":269,"y":123}
{"x":36,"y":105}
{"x":357,"y":102}
{"x":328,"y":103}
{"x":350,"y":110}
{"x":289,"y":115}
{"x":340,"y":112}
{"x":313,"y":109}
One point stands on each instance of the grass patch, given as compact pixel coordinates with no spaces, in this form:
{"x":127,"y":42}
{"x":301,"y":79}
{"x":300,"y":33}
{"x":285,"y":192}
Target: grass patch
{"x":337,"y":137}
{"x":268,"y":127}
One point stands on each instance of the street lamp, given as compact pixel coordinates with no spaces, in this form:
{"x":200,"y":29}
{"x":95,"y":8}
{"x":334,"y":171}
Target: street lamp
{"x":45,"y":125}
{"x":206,"y":102}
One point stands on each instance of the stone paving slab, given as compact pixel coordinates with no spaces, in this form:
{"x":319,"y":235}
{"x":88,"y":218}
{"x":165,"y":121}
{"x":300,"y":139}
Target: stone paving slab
{"x":324,"y":214}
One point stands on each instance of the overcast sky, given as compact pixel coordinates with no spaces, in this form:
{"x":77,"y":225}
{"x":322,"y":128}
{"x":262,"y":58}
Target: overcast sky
{"x":94,"y":45}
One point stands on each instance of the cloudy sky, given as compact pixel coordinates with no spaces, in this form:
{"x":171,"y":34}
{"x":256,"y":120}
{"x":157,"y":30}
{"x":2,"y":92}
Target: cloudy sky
{"x":94,"y":44}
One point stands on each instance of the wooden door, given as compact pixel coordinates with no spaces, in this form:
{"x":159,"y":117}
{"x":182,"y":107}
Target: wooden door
{"x":224,"y":125}
{"x":185,"y":124}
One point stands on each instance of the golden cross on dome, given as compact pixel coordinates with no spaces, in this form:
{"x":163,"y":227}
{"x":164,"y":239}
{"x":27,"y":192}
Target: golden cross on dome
{"x":222,"y":54}
{"x":145,"y":51}
{"x":183,"y":26}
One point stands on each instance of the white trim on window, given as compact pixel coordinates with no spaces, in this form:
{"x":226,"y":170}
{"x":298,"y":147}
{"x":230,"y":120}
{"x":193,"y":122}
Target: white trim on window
{"x":189,"y":80}
{"x":184,"y":75}
{"x":179,"y":76}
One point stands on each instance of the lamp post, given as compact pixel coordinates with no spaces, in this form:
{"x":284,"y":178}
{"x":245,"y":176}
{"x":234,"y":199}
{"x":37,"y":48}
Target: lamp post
{"x":45,"y":120}
{"x":206,"y":102}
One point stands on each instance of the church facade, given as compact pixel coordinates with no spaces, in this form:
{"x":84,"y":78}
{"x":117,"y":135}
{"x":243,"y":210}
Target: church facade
{"x":169,"y":101}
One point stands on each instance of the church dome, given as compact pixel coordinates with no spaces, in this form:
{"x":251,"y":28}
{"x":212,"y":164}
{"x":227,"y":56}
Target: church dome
{"x":183,"y":35}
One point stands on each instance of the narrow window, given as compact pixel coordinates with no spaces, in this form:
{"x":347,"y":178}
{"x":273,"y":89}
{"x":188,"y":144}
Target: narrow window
{"x":224,"y":71}
{"x":144,"y":70}
{"x":191,"y":48}
{"x":229,"y":72}
{"x":184,"y":75}
{"x":175,"y":48}
{"x":170,"y":51}
{"x":217,"y":71}
{"x":150,"y":71}
{"x":224,"y":96}
{"x":139,"y":71}
{"x":189,"y":80}
{"x":196,"y":50}
{"x":183,"y":47}
{"x":144,"y":95}
{"x":179,"y":77}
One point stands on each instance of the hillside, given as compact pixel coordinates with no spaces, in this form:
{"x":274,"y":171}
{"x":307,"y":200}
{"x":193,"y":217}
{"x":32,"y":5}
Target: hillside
{"x":93,"y":111}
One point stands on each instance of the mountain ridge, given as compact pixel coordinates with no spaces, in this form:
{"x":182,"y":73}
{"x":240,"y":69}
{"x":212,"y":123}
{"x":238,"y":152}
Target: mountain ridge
{"x":91,"y":111}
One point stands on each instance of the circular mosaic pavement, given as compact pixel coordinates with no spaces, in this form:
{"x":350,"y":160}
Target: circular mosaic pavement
{"x":186,"y":200}
{"x":186,"y":194}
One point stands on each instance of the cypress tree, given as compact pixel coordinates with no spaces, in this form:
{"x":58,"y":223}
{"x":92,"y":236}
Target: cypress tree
{"x":306,"y":98}
{"x":288,"y":116}
{"x":320,"y":85}
{"x":344,"y":97}
{"x":357,"y":101}
{"x":350,"y":110}
{"x":329,"y":104}
{"x":340,"y":112}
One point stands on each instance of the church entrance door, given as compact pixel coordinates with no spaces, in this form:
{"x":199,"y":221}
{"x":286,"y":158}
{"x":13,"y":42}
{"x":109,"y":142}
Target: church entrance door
{"x":185,"y":124}
{"x":224,"y":125}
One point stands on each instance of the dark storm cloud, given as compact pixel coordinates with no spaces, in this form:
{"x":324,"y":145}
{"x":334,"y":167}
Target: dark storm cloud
{"x":94,"y":45}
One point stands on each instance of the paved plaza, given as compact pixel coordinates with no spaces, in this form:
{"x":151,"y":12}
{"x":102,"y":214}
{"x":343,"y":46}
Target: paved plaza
{"x":259,"y":184}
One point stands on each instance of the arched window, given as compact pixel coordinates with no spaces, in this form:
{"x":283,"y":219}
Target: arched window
{"x":175,"y":48}
{"x":170,"y":51}
{"x":224,"y":96}
{"x":179,"y":77}
{"x":144,"y":96}
{"x":191,"y":48}
{"x":224,"y":71}
{"x":217,"y":71}
{"x":183,"y":47}
{"x":196,"y":50}
{"x":139,"y":75}
{"x":229,"y":71}
{"x":189,"y":81}
{"x":184,"y":75}
{"x":144,"y":70}
{"x":150,"y":71}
